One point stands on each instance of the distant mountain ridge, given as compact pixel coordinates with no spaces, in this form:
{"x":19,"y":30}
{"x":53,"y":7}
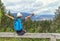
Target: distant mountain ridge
{"x":44,"y":17}
{"x":36,"y":17}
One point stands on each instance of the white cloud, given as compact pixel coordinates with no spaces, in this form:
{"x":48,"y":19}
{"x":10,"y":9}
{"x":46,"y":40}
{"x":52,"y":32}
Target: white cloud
{"x":11,"y":1}
{"x":36,"y":6}
{"x":53,"y":4}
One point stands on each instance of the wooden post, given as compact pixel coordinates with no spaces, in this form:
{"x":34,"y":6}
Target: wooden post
{"x":53,"y":38}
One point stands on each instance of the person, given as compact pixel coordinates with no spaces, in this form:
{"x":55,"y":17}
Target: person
{"x":18,"y":26}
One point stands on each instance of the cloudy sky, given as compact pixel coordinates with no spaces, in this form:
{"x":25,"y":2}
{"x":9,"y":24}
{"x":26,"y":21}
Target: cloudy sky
{"x":36,"y":6}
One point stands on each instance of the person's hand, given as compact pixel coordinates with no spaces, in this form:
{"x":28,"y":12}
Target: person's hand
{"x":32,"y":14}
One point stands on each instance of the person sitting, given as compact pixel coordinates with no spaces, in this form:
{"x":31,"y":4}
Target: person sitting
{"x":18,"y":26}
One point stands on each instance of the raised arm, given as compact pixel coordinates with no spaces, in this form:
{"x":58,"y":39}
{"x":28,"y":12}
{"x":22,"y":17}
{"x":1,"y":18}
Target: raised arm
{"x":29,"y":16}
{"x":9,"y":16}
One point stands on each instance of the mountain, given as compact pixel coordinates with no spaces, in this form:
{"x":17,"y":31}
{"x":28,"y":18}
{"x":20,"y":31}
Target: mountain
{"x":43,"y":17}
{"x":36,"y":17}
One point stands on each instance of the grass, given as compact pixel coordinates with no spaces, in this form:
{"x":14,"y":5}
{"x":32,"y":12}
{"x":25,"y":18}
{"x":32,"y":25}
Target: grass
{"x":19,"y":39}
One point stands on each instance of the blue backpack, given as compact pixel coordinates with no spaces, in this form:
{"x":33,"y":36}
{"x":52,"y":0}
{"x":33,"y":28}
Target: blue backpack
{"x":18,"y":24}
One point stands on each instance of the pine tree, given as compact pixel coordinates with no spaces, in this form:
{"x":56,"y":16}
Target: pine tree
{"x":56,"y":23}
{"x":2,"y":11}
{"x":2,"y":15}
{"x":57,"y":17}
